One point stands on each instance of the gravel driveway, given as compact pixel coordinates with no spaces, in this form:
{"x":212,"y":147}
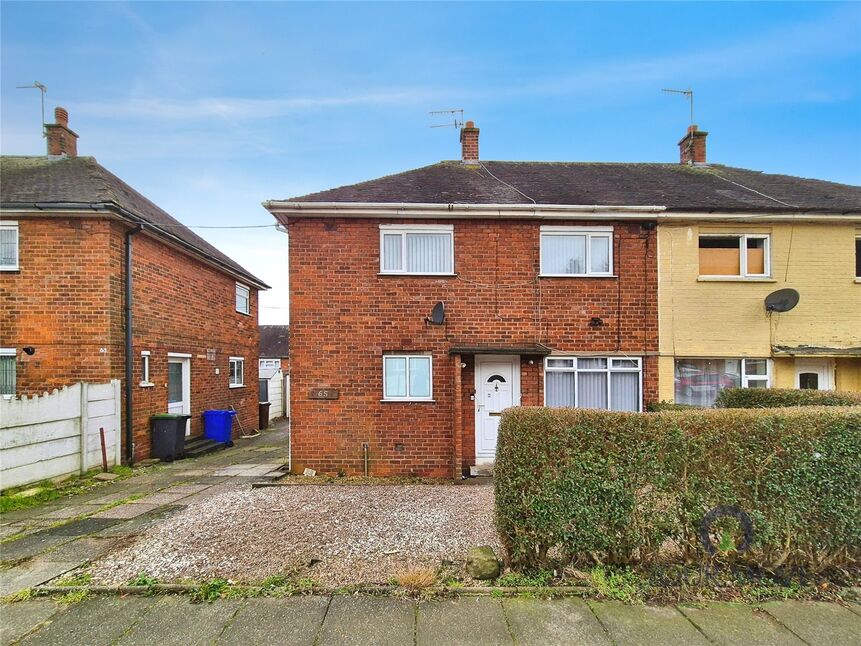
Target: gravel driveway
{"x":351,"y":534}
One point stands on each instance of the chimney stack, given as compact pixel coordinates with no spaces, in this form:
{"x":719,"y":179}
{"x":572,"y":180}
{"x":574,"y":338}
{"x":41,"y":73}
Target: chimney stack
{"x":692,"y":147}
{"x":469,"y":143}
{"x":62,"y":142}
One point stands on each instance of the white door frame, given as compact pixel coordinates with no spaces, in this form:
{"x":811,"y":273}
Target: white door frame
{"x":514,"y":359}
{"x":823,"y":367}
{"x":185,"y":361}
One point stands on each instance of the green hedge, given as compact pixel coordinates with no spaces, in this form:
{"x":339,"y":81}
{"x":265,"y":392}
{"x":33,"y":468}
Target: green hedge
{"x":783,"y":397}
{"x":621,"y":488}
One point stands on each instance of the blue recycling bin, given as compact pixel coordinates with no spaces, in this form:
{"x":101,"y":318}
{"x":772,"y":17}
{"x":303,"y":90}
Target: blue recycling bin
{"x":218,"y":425}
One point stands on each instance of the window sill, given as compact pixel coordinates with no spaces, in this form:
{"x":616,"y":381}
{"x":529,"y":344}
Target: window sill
{"x":236,"y":386}
{"x":243,"y":313}
{"x":577,"y":276}
{"x":408,"y":401}
{"x":10,"y":269}
{"x":146,"y":384}
{"x":409,"y":275}
{"x":735,"y":279}
{"x":858,"y":281}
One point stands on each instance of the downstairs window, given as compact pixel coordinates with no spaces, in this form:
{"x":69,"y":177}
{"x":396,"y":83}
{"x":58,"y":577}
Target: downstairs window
{"x":698,"y":381}
{"x":610,"y":383}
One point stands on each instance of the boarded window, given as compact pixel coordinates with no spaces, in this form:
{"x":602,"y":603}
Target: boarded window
{"x":734,"y":255}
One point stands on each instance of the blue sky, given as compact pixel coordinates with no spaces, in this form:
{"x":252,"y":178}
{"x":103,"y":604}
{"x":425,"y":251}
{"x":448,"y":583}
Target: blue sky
{"x":209,"y":109}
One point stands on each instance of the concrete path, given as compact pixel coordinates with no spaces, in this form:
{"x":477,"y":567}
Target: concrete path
{"x":45,"y":542}
{"x":380,"y":621}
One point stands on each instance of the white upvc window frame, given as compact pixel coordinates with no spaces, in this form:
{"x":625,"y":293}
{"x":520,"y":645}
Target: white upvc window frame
{"x":589,"y":233}
{"x":574,"y":367}
{"x":268,"y":364}
{"x":145,"y":370}
{"x":240,"y":362}
{"x":746,"y":379}
{"x":857,"y":254}
{"x":242,"y":286}
{"x":12,"y":225}
{"x":11,"y":352}
{"x":409,"y":356}
{"x":403,"y":230}
{"x":742,"y":252}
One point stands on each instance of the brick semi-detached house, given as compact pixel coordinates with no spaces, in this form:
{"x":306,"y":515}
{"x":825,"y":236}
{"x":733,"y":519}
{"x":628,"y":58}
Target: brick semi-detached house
{"x":424,"y":303}
{"x":67,"y":224}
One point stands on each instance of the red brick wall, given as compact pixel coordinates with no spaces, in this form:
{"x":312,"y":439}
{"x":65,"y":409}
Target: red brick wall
{"x":344,"y":316}
{"x":68,"y":298}
{"x":183,"y":305}
{"x":57,"y":303}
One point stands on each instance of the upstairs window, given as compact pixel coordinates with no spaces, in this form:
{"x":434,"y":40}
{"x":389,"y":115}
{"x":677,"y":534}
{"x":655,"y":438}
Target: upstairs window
{"x":576,"y":251}
{"x":745,"y":255}
{"x":243,"y":299}
{"x":145,"y":369}
{"x":8,"y":246}
{"x":417,"y":249}
{"x":858,"y":257}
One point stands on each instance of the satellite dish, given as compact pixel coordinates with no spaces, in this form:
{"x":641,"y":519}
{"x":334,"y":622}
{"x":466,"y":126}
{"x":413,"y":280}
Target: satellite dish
{"x":782,"y":300}
{"x":437,"y":316}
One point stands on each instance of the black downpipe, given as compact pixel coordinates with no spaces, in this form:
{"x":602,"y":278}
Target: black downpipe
{"x":130,"y":449}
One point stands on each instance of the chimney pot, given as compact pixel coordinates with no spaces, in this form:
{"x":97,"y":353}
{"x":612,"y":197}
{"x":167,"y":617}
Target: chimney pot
{"x":61,"y":116}
{"x":692,"y":147}
{"x":469,"y":143}
{"x":62,"y":142}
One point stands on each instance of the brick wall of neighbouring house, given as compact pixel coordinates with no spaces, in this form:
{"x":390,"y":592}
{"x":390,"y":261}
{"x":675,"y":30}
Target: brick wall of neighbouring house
{"x":183,"y":305}
{"x":67,"y":301}
{"x":344,"y":316}
{"x":57,"y":302}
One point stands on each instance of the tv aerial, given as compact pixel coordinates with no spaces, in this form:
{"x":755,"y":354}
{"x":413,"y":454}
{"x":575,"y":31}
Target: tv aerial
{"x":689,"y":94}
{"x":456,"y":123}
{"x":782,"y":300}
{"x":43,"y":89}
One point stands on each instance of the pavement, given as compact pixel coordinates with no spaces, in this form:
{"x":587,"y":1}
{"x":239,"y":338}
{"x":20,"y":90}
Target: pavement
{"x":45,"y":542}
{"x":379,"y":621}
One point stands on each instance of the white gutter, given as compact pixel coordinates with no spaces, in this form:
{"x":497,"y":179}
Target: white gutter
{"x":287,"y":209}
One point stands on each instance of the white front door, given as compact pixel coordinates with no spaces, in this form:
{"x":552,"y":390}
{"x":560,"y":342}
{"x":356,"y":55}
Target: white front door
{"x":179,"y":388}
{"x":497,"y":387}
{"x":814,"y":374}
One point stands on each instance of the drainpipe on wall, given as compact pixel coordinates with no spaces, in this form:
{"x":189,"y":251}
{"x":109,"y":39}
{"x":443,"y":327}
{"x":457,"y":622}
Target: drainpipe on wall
{"x":130,"y":449}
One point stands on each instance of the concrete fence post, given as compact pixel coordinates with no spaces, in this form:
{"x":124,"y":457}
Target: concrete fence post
{"x":118,"y":413}
{"x":83,"y":419}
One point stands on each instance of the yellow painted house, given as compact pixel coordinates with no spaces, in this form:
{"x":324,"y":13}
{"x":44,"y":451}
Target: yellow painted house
{"x":714,"y":274}
{"x":718,"y":266}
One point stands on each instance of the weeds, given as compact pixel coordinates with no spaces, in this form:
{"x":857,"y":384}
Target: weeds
{"x":75,"y":596}
{"x":143,"y":579}
{"x":618,"y":585}
{"x":210,"y":591}
{"x":22,"y":595}
{"x":536,"y":579}
{"x":415,"y":579}
{"x":77,"y":579}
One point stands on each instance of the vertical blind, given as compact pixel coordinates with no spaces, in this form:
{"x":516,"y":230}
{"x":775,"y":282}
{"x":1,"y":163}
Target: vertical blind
{"x":593,"y":382}
{"x":429,"y":253}
{"x":8,"y":246}
{"x":7,"y":375}
{"x":575,"y":254}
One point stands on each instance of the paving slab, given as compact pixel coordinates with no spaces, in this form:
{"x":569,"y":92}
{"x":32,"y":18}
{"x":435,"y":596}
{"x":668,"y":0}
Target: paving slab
{"x":84,"y":526}
{"x":187,"y":489}
{"x":638,"y":625}
{"x":294,"y":620}
{"x":210,"y":480}
{"x":72,"y":511}
{"x":32,"y":573}
{"x":81,"y":550}
{"x":733,"y":623}
{"x":174,"y":620}
{"x":112,"y":497}
{"x":31,"y":545}
{"x":128,"y":510}
{"x":364,"y":620}
{"x":10,"y":530}
{"x":98,"y":620}
{"x":18,"y":619}
{"x":193,"y":472}
{"x":549,"y":622}
{"x":160,"y":498}
{"x":818,"y":622}
{"x":466,"y":621}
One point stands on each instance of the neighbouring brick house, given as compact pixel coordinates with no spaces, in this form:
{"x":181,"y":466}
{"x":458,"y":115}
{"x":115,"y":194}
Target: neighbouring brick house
{"x":67,"y":224}
{"x":424,"y":303}
{"x":275,"y":369}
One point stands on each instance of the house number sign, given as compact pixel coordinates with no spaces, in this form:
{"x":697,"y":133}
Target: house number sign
{"x":324,"y":393}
